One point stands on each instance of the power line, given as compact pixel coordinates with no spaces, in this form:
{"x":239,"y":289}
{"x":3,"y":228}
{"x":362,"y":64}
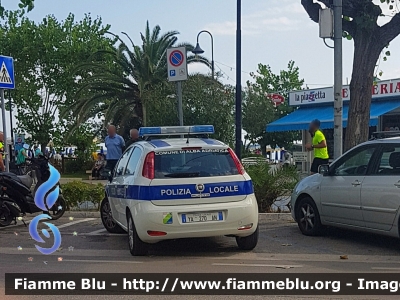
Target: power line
{"x":222,"y":71}
{"x":232,"y":68}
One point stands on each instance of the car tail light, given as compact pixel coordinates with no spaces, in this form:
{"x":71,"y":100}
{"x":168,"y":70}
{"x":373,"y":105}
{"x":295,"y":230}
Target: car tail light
{"x":246,"y":227}
{"x":238,"y":164}
{"x":156,"y":233}
{"x":148,"y":167}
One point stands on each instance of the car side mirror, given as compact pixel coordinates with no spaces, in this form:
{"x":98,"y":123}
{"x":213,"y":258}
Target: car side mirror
{"x":323,"y":170}
{"x":110,"y":176}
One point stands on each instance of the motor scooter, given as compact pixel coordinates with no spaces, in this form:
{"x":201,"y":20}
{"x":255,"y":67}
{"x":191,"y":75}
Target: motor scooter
{"x":17,"y":196}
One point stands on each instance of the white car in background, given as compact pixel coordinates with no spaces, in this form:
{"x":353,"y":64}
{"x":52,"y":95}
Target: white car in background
{"x":181,"y":187}
{"x":360,"y":190}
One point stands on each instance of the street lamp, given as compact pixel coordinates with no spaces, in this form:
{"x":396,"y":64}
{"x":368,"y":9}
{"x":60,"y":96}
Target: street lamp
{"x":197,"y":50}
{"x":238,"y":102}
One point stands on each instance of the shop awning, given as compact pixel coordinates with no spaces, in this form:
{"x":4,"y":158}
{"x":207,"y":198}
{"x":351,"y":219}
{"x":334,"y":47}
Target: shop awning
{"x":301,"y":118}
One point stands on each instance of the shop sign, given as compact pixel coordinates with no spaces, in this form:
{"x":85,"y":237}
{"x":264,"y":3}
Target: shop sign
{"x":382,"y":89}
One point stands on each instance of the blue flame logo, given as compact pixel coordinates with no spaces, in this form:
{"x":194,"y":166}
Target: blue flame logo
{"x":35,"y":234}
{"x":46,"y":194}
{"x":40,"y":195}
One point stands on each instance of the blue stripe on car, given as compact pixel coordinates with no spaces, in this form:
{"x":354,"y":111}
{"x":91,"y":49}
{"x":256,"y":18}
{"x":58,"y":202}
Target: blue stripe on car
{"x":211,"y":142}
{"x":159,"y":143}
{"x":182,"y":191}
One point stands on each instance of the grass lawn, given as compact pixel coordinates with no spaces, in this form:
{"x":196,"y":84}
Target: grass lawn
{"x":76,"y":175}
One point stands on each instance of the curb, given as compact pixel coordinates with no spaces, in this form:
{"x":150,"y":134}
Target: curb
{"x":82,"y":214}
{"x":265,"y":217}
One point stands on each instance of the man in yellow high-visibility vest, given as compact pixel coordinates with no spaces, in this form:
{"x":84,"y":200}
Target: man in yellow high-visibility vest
{"x":2,"y":152}
{"x":321,"y":156}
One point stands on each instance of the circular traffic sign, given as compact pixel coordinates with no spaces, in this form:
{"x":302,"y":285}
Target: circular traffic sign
{"x":176,"y":58}
{"x":276,"y":99}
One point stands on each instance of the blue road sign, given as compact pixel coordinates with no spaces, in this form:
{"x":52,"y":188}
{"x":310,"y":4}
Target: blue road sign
{"x":7,"y":72}
{"x":176,"y":58}
{"x":172,"y":73}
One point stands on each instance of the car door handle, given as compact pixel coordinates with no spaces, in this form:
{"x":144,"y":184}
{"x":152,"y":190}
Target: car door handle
{"x":397,"y":184}
{"x":356,"y":183}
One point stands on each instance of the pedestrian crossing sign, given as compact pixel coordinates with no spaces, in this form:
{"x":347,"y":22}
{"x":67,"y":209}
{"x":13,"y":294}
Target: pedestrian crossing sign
{"x":6,"y":72}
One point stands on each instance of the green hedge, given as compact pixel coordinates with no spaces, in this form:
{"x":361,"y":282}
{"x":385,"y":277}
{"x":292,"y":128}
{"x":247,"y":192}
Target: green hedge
{"x":269,"y":184}
{"x":77,"y":165}
{"x":77,"y":192}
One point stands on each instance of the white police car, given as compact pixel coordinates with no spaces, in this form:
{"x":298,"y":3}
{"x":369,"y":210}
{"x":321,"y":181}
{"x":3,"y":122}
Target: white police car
{"x":180,"y":187}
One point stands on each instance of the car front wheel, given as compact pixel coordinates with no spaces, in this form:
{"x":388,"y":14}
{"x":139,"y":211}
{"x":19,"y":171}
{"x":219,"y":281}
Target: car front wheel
{"x":248,"y":242}
{"x":107,"y":218}
{"x":308,"y":218}
{"x":136,"y":246}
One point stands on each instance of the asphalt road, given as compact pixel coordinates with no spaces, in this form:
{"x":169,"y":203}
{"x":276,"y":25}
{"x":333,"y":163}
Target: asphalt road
{"x":281,"y":249}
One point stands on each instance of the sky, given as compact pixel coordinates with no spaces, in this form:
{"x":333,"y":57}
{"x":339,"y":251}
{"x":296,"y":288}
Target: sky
{"x":273,"y":33}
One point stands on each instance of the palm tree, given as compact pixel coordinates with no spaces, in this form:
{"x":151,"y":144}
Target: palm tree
{"x":119,"y":89}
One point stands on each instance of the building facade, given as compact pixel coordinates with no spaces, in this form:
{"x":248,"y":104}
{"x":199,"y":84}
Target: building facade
{"x":318,"y":104}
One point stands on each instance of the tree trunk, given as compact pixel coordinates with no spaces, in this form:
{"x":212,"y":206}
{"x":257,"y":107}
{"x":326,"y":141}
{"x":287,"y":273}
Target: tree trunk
{"x":367,"y":49}
{"x":144,"y":112}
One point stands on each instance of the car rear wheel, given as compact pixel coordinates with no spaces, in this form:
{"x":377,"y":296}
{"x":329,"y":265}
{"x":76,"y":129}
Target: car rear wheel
{"x":136,"y":246}
{"x":248,"y":242}
{"x":308,"y":217}
{"x":107,"y":218}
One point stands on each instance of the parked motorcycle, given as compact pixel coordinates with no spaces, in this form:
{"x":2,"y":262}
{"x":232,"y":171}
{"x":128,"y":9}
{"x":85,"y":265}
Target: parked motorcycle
{"x":17,"y":198}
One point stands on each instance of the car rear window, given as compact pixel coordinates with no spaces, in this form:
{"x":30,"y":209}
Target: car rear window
{"x":194,"y":163}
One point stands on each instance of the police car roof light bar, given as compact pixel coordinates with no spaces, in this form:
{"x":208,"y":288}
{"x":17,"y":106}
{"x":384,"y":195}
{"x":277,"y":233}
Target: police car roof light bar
{"x":176,"y":130}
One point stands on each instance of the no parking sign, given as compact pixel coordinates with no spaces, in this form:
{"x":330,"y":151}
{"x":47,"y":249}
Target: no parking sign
{"x":177,"y":65}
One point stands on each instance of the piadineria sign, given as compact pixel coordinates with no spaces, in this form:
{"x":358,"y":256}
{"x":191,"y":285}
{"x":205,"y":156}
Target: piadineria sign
{"x":382,"y":89}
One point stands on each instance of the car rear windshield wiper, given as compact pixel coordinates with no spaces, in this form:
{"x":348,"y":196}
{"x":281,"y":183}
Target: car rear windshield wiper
{"x":183,"y":175}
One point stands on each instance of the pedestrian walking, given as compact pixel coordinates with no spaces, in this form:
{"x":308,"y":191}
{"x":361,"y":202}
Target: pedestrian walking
{"x":134,"y":137}
{"x":321,"y":156}
{"x":115,"y":145}
{"x":23,"y":155}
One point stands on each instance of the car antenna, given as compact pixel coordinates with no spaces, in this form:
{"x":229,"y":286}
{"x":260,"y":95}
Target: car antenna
{"x":187,"y":141}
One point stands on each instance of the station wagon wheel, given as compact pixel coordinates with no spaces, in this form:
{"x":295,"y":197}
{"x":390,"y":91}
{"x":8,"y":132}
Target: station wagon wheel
{"x":107,"y":219}
{"x":136,"y":246}
{"x":308,"y":218}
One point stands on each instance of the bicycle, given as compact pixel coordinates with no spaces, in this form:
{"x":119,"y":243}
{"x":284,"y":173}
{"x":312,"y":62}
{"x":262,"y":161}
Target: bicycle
{"x":25,"y":168}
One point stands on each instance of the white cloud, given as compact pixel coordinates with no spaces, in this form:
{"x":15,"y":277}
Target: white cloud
{"x":275,"y":17}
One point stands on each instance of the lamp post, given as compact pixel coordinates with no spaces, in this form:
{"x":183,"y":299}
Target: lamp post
{"x":238,"y":104}
{"x":198,"y":50}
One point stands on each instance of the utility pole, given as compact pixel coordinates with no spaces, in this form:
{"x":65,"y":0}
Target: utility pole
{"x":5,"y":145}
{"x":238,"y":121}
{"x":338,"y":76}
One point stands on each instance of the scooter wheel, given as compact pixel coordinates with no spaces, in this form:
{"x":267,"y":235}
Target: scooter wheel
{"x":5,"y":218}
{"x":58,"y":209}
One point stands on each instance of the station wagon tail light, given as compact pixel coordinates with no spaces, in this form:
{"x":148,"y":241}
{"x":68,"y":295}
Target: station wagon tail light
{"x":238,"y":164}
{"x":148,"y":167}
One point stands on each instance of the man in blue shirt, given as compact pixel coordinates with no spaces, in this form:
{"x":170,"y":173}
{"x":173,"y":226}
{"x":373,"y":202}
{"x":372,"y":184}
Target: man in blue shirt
{"x":115,"y":145}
